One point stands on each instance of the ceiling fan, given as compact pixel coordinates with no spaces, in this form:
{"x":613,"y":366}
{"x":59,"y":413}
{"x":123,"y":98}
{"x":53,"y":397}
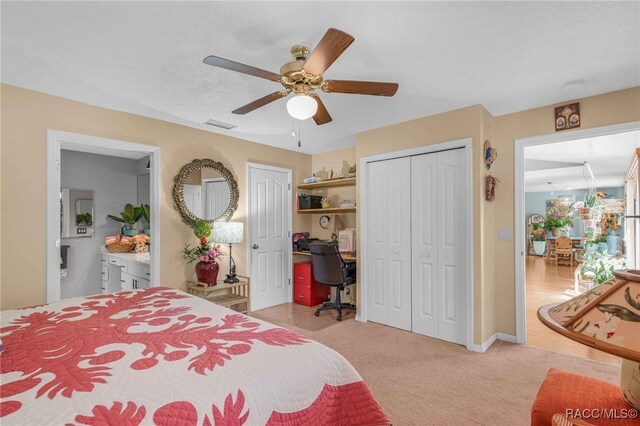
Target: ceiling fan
{"x":304,"y":75}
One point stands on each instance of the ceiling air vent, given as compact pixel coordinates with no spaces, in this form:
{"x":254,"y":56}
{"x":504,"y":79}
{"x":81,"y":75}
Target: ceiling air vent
{"x":220,"y":124}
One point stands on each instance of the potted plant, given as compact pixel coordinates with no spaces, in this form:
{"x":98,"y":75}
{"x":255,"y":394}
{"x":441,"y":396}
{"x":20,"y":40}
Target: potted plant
{"x":129,"y":216}
{"x":539,"y":244}
{"x":205,"y":253}
{"x":598,"y":268}
{"x":146,"y":214}
{"x":601,"y":241}
{"x":557,"y":226}
{"x":585,"y":211}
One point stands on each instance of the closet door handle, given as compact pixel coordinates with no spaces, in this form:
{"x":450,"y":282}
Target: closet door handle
{"x":255,"y":247}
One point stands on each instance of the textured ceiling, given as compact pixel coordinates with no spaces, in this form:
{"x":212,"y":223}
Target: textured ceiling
{"x":562,"y":163}
{"x":146,"y":58}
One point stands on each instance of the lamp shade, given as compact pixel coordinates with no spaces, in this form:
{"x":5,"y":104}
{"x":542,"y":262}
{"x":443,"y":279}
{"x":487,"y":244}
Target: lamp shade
{"x":606,"y":317}
{"x":228,"y":232}
{"x":302,"y":107}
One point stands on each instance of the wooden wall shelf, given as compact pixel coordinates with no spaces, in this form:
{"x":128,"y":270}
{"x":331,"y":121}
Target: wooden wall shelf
{"x":328,"y":210}
{"x":328,"y":184}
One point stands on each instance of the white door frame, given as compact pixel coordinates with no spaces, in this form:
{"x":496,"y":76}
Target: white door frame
{"x":56,"y":141}
{"x":289,"y":224}
{"x":467,"y":144}
{"x":519,"y":195}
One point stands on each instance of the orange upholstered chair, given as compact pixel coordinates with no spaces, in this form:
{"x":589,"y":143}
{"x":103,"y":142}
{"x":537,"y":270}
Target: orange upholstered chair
{"x":562,"y":391}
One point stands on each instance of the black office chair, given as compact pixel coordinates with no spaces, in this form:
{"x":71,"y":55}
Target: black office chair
{"x":330,"y":269}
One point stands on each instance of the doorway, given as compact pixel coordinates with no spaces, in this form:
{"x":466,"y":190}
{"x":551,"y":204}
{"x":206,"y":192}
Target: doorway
{"x":563,"y":184}
{"x":270,"y":223}
{"x":435,"y":292}
{"x":79,"y":144}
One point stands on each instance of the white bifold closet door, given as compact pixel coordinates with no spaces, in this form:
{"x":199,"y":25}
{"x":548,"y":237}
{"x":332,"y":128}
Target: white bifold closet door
{"x":438,"y":276}
{"x":416,"y":262}
{"x":389,"y":234}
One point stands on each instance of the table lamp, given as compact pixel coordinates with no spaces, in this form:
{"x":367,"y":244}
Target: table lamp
{"x":606,"y":318}
{"x":229,"y":233}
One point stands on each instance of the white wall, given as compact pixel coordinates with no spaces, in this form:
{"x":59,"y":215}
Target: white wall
{"x":114,"y":183}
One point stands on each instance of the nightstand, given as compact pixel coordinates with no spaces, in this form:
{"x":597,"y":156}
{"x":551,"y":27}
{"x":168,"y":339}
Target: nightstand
{"x":233,"y":296}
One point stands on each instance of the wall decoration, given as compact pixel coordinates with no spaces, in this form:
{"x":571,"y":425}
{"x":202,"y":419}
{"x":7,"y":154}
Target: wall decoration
{"x":490,"y":183}
{"x":567,"y":117}
{"x":558,"y":209}
{"x":490,"y":155}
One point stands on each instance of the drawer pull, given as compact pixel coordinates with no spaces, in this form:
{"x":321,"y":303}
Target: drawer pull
{"x":122,"y":281}
{"x":104,"y":273}
{"x":147,"y":273}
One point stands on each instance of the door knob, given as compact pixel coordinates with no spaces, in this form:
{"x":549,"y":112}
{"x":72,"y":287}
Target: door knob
{"x":255,"y":246}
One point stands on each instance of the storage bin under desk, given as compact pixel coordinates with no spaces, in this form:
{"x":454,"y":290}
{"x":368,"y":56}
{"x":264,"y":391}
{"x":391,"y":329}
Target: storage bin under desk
{"x":306,"y":290}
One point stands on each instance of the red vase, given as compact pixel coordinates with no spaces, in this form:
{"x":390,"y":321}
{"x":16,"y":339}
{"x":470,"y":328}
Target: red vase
{"x":207,"y":273}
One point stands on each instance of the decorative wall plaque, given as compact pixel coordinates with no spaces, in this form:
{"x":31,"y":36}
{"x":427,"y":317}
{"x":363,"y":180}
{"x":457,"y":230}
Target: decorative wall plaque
{"x":567,"y":117}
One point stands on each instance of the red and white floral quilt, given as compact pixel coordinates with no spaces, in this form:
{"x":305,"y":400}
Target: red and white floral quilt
{"x":160,"y":356}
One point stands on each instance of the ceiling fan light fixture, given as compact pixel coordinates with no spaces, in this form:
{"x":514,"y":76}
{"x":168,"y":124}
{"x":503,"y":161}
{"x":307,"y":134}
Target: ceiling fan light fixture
{"x":302,"y":106}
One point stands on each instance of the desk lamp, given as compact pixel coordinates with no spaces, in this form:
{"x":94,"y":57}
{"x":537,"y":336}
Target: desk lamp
{"x":229,"y":233}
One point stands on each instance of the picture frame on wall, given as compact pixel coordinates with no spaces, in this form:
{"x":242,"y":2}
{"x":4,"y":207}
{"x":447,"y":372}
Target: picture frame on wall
{"x":567,"y":116}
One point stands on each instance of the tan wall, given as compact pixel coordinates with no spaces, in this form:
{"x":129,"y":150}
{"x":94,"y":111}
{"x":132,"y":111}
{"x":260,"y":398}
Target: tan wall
{"x":321,"y":164}
{"x":493,"y":263}
{"x":596,"y":111}
{"x":27,"y":115}
{"x":23,"y":182}
{"x":454,"y":125}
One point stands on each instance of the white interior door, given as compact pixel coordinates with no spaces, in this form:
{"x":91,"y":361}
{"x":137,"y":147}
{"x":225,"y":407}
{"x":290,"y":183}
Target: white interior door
{"x":424,"y":250}
{"x":192,"y":198}
{"x":452,"y":297}
{"x":389,"y":231}
{"x":216,"y":197}
{"x":270,"y":207}
{"x":438,"y":251}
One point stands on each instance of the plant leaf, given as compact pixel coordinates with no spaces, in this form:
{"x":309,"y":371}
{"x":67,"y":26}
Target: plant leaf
{"x":619,"y":311}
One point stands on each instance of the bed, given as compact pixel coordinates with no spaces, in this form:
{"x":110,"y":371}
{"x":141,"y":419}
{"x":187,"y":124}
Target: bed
{"x":161,"y":356}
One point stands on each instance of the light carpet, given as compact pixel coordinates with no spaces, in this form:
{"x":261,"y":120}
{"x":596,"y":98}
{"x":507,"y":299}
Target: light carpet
{"x":424,"y":381}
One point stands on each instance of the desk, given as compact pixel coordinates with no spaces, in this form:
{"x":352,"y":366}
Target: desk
{"x":345,"y":257}
{"x":224,"y":294}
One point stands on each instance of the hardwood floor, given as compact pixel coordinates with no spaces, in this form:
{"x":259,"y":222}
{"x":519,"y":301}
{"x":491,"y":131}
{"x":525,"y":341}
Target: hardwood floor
{"x":547,"y":283}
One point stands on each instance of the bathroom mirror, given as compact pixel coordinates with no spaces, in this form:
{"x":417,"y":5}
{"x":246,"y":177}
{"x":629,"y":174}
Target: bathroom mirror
{"x":76,"y":213}
{"x":205,"y":189}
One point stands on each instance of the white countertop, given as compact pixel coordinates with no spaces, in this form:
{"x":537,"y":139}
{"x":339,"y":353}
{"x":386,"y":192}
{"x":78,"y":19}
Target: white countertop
{"x":136,"y":257}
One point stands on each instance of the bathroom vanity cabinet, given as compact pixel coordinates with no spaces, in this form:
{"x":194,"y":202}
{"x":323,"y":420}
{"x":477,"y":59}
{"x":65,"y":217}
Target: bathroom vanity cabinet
{"x":125,"y":271}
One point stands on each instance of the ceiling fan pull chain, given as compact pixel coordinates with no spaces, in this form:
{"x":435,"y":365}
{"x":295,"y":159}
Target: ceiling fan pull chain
{"x":293,"y":131}
{"x":299,"y":134}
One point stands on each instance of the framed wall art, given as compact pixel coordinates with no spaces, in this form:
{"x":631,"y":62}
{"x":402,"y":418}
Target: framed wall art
{"x":567,"y":116}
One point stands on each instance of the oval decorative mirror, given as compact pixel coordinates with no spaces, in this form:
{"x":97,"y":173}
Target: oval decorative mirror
{"x":205,"y":189}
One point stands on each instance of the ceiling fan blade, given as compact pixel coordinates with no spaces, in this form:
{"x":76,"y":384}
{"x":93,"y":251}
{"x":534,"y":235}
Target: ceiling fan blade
{"x":216,"y":61}
{"x":260,"y":102}
{"x":322,"y":115}
{"x":360,"y":87}
{"x":333,"y":43}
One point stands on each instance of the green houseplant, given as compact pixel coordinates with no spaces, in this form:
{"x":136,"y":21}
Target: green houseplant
{"x":539,"y":244}
{"x":557,"y":225}
{"x":146,"y":214}
{"x":598,"y":268}
{"x":205,"y":253}
{"x":129,"y":217}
